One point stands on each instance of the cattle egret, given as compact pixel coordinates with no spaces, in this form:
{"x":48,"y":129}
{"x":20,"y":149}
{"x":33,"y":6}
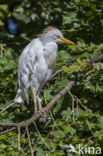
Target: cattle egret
{"x":36,"y":65}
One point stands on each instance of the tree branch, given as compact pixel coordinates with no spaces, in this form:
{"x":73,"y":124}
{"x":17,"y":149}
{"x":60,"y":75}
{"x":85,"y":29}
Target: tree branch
{"x":95,"y":59}
{"x":19,"y":138}
{"x":4,"y":109}
{"x":48,"y":107}
{"x":30,"y":145}
{"x":8,"y":130}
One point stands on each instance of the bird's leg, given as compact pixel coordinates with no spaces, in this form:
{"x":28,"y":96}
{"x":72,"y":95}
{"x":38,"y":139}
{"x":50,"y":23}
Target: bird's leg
{"x":34,"y":100}
{"x":39,"y":103}
{"x":41,"y":109}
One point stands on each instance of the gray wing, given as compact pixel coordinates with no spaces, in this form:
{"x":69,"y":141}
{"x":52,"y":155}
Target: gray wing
{"x":28,"y":54}
{"x":27,"y":63}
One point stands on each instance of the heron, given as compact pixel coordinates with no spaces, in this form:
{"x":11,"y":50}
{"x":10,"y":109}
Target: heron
{"x":36,"y":64}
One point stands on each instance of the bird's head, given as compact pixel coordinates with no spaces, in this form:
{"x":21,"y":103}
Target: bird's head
{"x":52,"y":34}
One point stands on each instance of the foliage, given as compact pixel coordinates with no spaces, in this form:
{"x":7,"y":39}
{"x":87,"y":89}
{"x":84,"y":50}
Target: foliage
{"x":81,"y":21}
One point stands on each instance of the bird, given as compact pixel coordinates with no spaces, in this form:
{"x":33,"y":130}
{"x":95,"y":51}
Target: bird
{"x":13,"y":26}
{"x":36,"y":64}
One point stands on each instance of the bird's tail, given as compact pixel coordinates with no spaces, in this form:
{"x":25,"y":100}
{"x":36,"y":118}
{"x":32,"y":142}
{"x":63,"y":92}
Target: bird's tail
{"x":18,"y":98}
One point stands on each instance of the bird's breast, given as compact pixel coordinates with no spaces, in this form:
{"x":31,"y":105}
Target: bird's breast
{"x":50,"y":54}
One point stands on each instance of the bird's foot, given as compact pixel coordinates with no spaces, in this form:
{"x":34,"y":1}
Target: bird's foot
{"x":43,"y":114}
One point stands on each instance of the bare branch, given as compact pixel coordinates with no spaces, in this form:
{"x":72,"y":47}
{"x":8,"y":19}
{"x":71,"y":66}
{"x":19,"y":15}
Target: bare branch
{"x":9,"y":124}
{"x":72,"y":104}
{"x":56,"y":124}
{"x":41,"y":136}
{"x":32,"y":153}
{"x":4,"y":109}
{"x":48,"y":107}
{"x":58,"y":71}
{"x":8,"y":130}
{"x":95,"y":59}
{"x":19,"y":138}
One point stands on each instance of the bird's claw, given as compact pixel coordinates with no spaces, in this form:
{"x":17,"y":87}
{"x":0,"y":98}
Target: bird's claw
{"x":43,"y":114}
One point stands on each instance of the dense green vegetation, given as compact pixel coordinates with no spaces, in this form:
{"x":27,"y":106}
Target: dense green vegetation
{"x":82,"y":22}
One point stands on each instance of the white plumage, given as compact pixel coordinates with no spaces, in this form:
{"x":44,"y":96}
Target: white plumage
{"x":36,"y":63}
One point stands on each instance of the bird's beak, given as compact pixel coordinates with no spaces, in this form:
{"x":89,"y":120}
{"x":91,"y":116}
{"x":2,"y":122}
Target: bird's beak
{"x":66,"y":40}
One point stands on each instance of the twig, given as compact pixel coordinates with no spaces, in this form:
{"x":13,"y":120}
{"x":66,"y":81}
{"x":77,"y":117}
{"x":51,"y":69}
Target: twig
{"x":48,"y":107}
{"x":79,"y":101}
{"x":4,"y":109}
{"x":8,"y":130}
{"x":72,"y":104}
{"x":56,"y":124}
{"x":41,"y":136}
{"x":32,"y":153}
{"x":58,"y":71}
{"x":95,"y":59}
{"x":19,"y":138}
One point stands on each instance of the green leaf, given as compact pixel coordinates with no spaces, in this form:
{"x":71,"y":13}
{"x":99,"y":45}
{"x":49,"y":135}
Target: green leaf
{"x":11,"y":65}
{"x":1,"y":23}
{"x":4,"y":7}
{"x":3,"y":60}
{"x":71,"y":69}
